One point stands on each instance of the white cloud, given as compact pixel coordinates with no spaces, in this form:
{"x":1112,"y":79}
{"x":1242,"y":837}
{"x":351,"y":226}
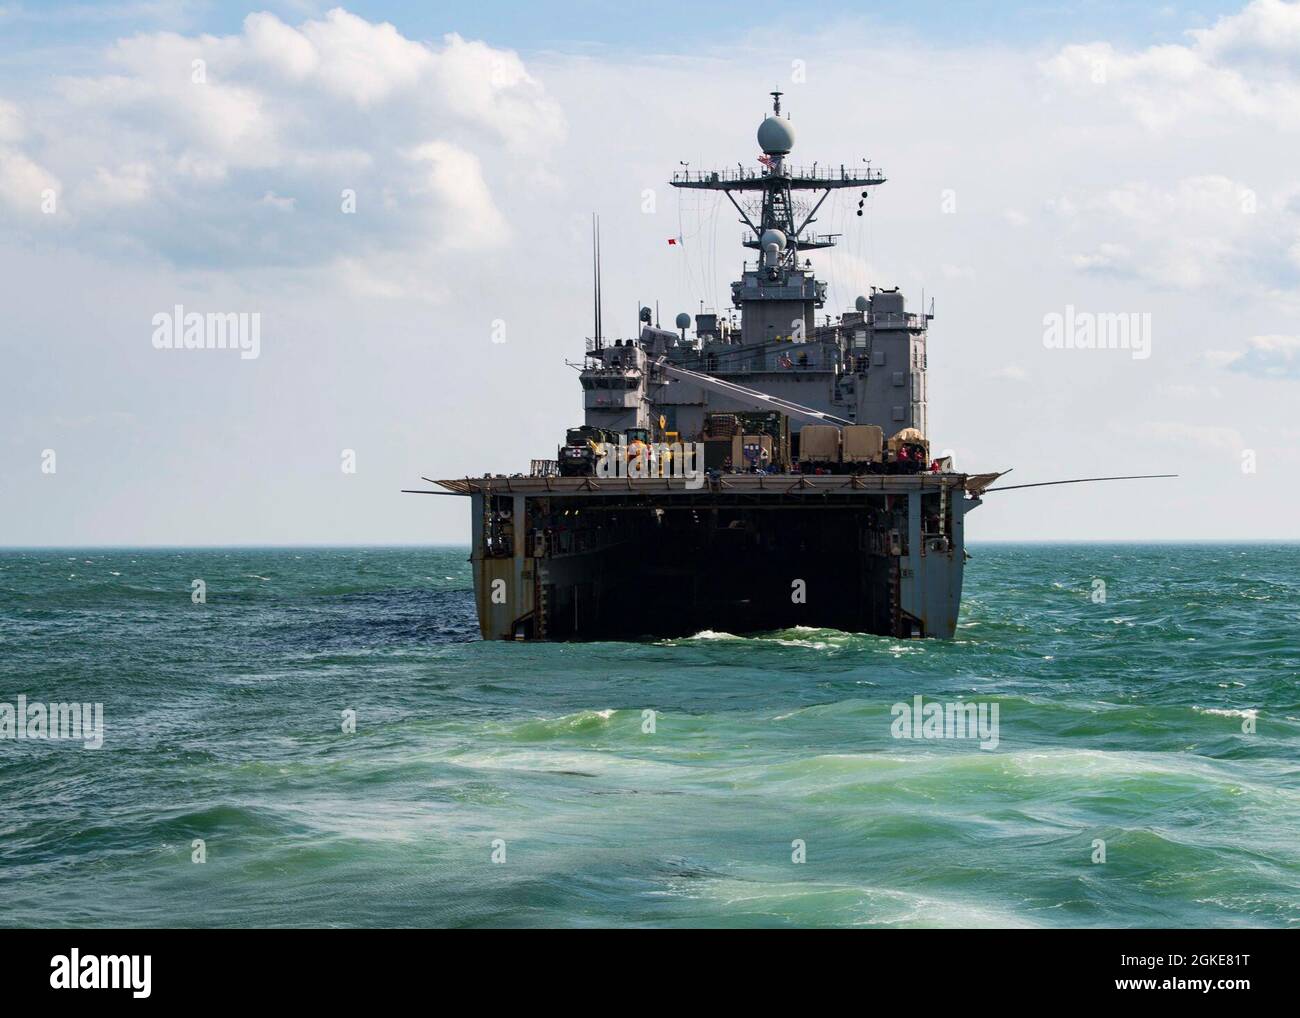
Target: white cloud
{"x":274,"y":43}
{"x":1106,"y":257}
{"x":123,"y":185}
{"x":363,"y":62}
{"x":454,"y":176}
{"x":1265,"y":28}
{"x":278,"y":202}
{"x":23,"y":184}
{"x":1264,"y":357}
{"x":493,"y":88}
{"x":212,"y":129}
{"x":1200,"y":231}
{"x":23,"y":181}
{"x":11,"y":122}
{"x":1244,"y":66}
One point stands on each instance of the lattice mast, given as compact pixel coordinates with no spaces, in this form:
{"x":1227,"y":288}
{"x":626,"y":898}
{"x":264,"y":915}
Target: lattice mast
{"x":778,"y":296}
{"x":777,"y":179}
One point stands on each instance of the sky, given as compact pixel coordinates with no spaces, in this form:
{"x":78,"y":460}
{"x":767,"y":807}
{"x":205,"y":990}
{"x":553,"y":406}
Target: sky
{"x":402,"y":195}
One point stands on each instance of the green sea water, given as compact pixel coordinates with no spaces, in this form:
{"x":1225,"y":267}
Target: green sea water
{"x":491,"y":784}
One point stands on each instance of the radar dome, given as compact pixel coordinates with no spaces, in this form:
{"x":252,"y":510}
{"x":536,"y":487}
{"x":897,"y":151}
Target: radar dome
{"x":683,"y":321}
{"x":771,"y":237}
{"x":862,"y":304}
{"x":775,"y":136}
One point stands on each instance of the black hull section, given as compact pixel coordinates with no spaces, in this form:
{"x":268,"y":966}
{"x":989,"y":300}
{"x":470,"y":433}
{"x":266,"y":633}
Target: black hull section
{"x":796,"y":568}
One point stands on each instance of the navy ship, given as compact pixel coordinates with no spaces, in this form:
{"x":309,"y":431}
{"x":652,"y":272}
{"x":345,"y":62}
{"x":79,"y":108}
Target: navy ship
{"x":746,"y":471}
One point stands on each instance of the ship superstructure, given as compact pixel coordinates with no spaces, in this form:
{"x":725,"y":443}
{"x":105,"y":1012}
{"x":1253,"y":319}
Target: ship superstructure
{"x":815,"y":500}
{"x":867,"y":367}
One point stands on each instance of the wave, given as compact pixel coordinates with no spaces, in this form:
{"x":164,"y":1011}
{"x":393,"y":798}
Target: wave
{"x":816,"y":902}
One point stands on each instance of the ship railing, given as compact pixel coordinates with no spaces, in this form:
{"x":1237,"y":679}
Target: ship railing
{"x":718,"y":176}
{"x":605,"y":344}
{"x":830,"y":174}
{"x":897,"y":320}
{"x":614,"y":371}
{"x":835,"y":173}
{"x":544,"y":468}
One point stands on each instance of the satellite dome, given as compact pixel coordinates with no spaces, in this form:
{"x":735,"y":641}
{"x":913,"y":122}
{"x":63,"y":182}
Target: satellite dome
{"x":775,"y":136}
{"x":771,"y":237}
{"x":862,"y":304}
{"x":683,"y":321}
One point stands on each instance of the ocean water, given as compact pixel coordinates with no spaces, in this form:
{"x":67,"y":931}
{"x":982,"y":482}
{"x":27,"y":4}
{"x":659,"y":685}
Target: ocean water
{"x":493,"y":784}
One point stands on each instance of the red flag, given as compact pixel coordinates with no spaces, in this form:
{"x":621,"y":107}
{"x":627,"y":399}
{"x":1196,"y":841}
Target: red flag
{"x":672,"y":241}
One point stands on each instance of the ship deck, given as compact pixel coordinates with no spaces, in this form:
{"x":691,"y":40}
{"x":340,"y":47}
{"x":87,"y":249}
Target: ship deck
{"x":759,"y":486}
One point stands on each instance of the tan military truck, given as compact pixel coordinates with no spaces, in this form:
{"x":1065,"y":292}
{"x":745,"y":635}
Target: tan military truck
{"x":819,"y":447}
{"x":864,"y":445}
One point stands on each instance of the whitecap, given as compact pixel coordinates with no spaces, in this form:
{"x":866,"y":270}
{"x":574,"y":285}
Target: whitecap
{"x":1224,"y":712}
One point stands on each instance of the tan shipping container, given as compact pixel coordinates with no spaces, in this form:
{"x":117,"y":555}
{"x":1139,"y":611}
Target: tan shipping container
{"x":863,"y":443}
{"x":819,"y":443}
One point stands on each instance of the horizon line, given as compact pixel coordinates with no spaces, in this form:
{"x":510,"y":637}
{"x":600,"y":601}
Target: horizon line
{"x":323,"y":546}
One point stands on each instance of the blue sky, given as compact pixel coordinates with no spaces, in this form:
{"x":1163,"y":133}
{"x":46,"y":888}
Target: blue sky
{"x":683,"y":27}
{"x":1109,"y":158}
{"x":666,"y":27}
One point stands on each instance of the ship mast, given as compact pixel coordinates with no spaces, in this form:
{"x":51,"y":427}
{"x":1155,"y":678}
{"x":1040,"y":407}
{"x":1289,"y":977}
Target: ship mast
{"x":778,"y":297}
{"x":778,"y":181}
